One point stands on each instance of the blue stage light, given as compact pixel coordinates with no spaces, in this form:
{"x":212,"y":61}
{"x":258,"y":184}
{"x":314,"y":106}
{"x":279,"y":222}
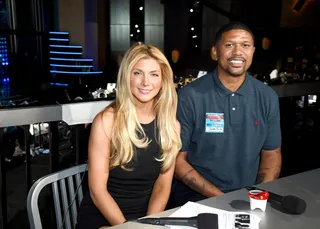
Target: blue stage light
{"x":66,"y":46}
{"x":53,"y":32}
{"x":58,"y":39}
{"x":66,"y":53}
{"x":59,"y":84}
{"x":77,"y":73}
{"x":70,"y":59}
{"x":71,"y":66}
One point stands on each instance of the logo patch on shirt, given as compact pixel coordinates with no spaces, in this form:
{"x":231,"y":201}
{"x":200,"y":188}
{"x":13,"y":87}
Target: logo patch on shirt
{"x":214,"y":123}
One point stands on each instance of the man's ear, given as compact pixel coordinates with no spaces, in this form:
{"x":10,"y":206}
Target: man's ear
{"x":214,"y":55}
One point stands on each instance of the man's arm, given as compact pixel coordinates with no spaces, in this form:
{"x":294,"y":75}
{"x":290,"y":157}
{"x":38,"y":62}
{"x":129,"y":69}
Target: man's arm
{"x":271,"y":159}
{"x":190,"y":177}
{"x":270,"y":165}
{"x":186,"y":114}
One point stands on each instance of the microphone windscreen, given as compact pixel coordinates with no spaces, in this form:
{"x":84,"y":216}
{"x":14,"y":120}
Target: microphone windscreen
{"x":294,"y":204}
{"x":208,"y":221}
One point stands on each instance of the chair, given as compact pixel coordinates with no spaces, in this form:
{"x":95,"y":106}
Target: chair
{"x":69,"y":200}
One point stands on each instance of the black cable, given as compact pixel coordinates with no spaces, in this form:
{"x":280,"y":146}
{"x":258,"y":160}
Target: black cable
{"x":74,"y":198}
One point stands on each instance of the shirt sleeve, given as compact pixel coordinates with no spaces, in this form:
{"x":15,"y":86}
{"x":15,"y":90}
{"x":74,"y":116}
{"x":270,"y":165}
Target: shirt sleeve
{"x":185,"y":116}
{"x":273,"y":139}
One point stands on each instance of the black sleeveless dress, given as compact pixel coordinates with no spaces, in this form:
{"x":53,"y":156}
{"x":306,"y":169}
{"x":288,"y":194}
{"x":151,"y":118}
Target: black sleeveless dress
{"x":130,"y":189}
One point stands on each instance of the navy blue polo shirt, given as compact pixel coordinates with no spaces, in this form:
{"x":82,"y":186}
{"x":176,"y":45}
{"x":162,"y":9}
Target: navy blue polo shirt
{"x":223,"y":132}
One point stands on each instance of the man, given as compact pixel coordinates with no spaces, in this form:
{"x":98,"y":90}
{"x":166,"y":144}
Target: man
{"x":230,"y":124}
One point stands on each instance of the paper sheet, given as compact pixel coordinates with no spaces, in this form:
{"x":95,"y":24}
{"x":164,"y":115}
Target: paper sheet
{"x":226,"y":219}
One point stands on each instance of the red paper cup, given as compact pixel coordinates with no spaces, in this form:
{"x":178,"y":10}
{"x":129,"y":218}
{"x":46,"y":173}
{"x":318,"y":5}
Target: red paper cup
{"x":258,"y":199}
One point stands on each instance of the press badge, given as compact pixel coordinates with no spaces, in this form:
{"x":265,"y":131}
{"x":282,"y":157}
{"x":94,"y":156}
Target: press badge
{"x":214,"y":123}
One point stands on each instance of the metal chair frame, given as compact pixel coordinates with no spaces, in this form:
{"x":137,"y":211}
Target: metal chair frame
{"x":66,"y":215}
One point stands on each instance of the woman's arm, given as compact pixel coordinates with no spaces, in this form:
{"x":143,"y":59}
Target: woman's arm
{"x":161,"y":192}
{"x":161,"y":189}
{"x":98,"y":170}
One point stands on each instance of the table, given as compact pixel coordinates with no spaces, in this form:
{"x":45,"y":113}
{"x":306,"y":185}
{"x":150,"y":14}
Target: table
{"x":297,"y":89}
{"x":304,"y":185}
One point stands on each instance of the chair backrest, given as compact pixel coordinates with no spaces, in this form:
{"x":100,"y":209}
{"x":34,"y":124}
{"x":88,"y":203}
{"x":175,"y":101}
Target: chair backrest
{"x":67,"y":191}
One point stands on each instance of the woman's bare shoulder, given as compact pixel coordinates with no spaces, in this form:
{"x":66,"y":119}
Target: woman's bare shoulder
{"x":108,"y":114}
{"x":104,"y":120}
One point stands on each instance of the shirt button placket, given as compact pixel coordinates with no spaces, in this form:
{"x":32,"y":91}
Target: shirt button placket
{"x":233,"y":107}
{"x":232,"y":102}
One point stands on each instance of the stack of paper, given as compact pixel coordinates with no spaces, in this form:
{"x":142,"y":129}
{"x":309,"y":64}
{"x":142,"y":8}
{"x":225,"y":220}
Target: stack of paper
{"x":226,"y":219}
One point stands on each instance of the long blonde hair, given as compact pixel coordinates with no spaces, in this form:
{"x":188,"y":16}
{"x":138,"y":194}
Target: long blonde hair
{"x":127,"y":131}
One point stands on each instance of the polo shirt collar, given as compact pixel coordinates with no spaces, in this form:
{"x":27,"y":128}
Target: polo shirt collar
{"x":244,"y":89}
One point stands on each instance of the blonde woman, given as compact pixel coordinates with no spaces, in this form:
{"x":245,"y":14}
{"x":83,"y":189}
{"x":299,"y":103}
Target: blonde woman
{"x":133,"y":143}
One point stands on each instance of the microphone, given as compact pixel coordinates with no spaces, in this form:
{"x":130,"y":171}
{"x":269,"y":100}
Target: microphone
{"x":292,"y":204}
{"x":202,"y":221}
